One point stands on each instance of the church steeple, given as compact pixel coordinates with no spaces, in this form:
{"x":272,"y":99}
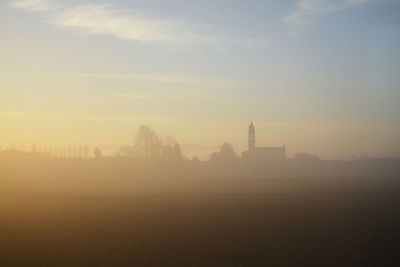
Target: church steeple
{"x":252,"y":137}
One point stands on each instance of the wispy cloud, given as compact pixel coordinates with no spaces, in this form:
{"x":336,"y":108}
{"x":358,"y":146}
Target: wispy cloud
{"x":123,"y":24}
{"x":128,"y":24}
{"x":307,"y":11}
{"x":32,"y":5}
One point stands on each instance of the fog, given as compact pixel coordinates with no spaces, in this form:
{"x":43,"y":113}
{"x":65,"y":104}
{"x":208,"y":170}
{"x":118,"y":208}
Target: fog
{"x":199,"y":133}
{"x":173,"y":211}
{"x":36,"y":173}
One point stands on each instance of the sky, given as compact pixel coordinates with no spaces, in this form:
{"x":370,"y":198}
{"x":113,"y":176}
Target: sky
{"x":322,"y":77}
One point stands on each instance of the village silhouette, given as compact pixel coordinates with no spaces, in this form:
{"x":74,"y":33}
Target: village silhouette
{"x":151,"y":155}
{"x":148,"y":144}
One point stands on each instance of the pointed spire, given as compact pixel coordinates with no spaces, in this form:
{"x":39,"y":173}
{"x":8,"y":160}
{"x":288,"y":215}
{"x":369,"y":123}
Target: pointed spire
{"x":251,"y":126}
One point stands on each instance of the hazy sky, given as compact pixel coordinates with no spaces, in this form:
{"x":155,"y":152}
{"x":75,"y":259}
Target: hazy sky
{"x":320,"y":76}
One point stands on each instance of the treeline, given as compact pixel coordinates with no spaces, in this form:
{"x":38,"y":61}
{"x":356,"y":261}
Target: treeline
{"x":151,"y":155}
{"x":149,"y":145}
{"x":223,"y":163}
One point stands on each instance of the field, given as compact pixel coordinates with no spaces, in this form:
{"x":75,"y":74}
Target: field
{"x":317,"y":228}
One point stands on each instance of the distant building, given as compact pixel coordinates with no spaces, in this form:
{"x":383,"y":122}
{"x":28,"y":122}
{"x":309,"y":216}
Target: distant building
{"x":262,"y":153}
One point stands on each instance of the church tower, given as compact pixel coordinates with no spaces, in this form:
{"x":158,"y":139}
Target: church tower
{"x":252,"y":138}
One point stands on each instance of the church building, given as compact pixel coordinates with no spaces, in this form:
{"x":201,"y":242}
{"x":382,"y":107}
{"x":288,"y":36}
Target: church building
{"x":262,"y":153}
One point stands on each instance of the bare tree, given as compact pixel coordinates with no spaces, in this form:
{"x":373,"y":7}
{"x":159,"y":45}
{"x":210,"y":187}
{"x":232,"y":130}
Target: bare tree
{"x":147,"y":143}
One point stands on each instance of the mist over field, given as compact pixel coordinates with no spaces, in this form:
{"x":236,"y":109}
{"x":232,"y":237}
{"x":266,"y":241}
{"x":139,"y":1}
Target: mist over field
{"x":175,"y":211}
{"x":199,"y":133}
{"x":26,"y":173}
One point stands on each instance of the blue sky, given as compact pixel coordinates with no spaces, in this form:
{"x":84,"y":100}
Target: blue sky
{"x":320,"y":76}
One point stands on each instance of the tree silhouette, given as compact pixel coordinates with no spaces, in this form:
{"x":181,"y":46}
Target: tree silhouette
{"x":225,"y":155}
{"x":147,"y":143}
{"x":172,"y":152}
